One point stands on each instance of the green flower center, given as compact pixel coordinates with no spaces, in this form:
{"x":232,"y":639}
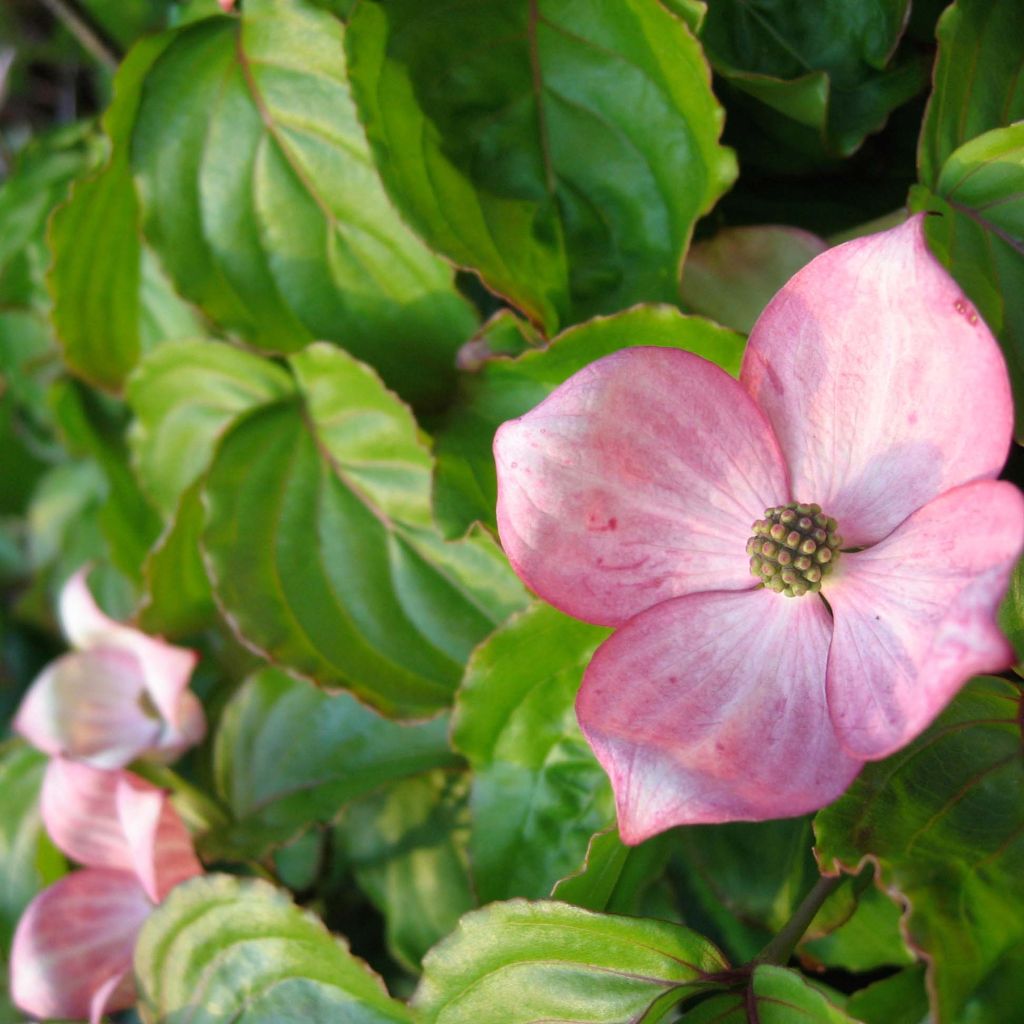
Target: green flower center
{"x":793,"y":548}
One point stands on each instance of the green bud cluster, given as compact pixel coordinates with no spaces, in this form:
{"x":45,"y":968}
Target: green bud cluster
{"x":793,"y":548}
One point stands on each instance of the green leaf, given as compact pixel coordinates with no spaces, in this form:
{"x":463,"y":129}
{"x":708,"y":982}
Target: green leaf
{"x":185,"y":397}
{"x":898,"y":999}
{"x":28,"y":859}
{"x":563,"y":158}
{"x":546,"y":961}
{"x":735,"y":906}
{"x":287,"y":755}
{"x":407,"y":846}
{"x":615,"y":877}
{"x":177,"y":599}
{"x":228,"y":949}
{"x":96,"y":275}
{"x":775,"y":996}
{"x":944,"y":820}
{"x":1011,"y":613}
{"x":980,"y":236}
{"x":323,"y":552}
{"x":978,"y":84}
{"x":732,"y":276}
{"x":465,"y":485}
{"x":827,"y":68}
{"x":538,"y":794}
{"x":260,"y":196}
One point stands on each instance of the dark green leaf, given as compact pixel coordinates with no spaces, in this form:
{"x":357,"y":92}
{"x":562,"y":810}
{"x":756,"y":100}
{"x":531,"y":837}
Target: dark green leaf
{"x":1011,"y":612}
{"x":538,"y":793}
{"x":564,"y":157}
{"x":407,"y":845}
{"x":978,"y":79}
{"x":465,"y":486}
{"x":980,"y":236}
{"x":288,"y":754}
{"x":185,"y":396}
{"x":227,"y":949}
{"x":775,"y":996}
{"x":542,"y":962}
{"x":827,"y":68}
{"x":615,"y":877}
{"x":260,"y":195}
{"x":323,"y":552}
{"x":944,"y":820}
{"x":732,"y":276}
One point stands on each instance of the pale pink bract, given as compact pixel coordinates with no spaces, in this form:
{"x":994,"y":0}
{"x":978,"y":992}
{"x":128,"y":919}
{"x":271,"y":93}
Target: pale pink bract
{"x":72,"y":951}
{"x":119,"y":695}
{"x":871,"y":387}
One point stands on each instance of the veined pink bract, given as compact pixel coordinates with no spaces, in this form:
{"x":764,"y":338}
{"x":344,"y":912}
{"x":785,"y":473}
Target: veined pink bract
{"x":650,"y":491}
{"x":72,"y":951}
{"x":120,"y":694}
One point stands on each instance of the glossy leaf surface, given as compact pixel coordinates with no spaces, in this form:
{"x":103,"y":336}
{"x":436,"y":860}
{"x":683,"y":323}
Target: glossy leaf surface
{"x":565,"y":162}
{"x":944,"y":820}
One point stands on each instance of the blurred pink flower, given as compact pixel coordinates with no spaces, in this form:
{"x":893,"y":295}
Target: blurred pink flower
{"x":119,"y":695}
{"x":649,"y":492}
{"x":73,"y":947}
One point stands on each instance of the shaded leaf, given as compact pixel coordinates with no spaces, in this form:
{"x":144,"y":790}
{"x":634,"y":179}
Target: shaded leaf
{"x":547,"y":961}
{"x":538,"y":793}
{"x":288,"y":754}
{"x":379,"y":603}
{"x":465,"y":484}
{"x":565,"y":161}
{"x":978,"y":84}
{"x":944,"y":821}
{"x":222,"y":948}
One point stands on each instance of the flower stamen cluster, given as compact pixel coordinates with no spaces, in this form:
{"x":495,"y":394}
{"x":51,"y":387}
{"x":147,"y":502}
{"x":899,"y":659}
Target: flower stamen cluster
{"x":793,"y":547}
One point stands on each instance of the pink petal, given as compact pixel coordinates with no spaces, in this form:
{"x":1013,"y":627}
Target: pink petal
{"x":73,"y":939}
{"x":166,"y":669}
{"x":161,"y":847}
{"x":635,"y":481}
{"x":90,"y":705}
{"x":884,"y":386}
{"x":711,"y":708}
{"x":915,"y":615}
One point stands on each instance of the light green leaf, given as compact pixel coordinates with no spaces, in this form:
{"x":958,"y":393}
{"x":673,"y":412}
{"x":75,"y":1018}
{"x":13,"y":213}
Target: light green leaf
{"x":980,"y":236}
{"x":564,"y":157}
{"x":944,"y":819}
{"x":898,"y":999}
{"x":776,"y":996}
{"x":978,"y":80}
{"x":224,"y":949}
{"x":185,"y":396}
{"x":544,"y":961}
{"x":28,"y":859}
{"x":538,"y":794}
{"x":465,"y":484}
{"x":287,"y":755}
{"x":261,"y":198}
{"x":323,"y":553}
{"x":732,"y":276}
{"x":407,"y":846}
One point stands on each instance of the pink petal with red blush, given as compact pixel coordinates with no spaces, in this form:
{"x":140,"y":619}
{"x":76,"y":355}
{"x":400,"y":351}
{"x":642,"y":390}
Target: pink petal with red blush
{"x":884,"y":386}
{"x":74,"y":944}
{"x":636,"y":481}
{"x":711,"y":708}
{"x":915,"y":615}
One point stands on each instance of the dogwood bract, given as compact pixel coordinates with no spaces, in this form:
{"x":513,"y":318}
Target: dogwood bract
{"x":804,"y":565}
{"x":73,"y":948}
{"x":119,"y":695}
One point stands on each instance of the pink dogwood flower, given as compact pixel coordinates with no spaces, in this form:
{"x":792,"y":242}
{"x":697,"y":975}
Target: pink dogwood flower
{"x":766,"y":648}
{"x":119,"y":695}
{"x":73,"y":947}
